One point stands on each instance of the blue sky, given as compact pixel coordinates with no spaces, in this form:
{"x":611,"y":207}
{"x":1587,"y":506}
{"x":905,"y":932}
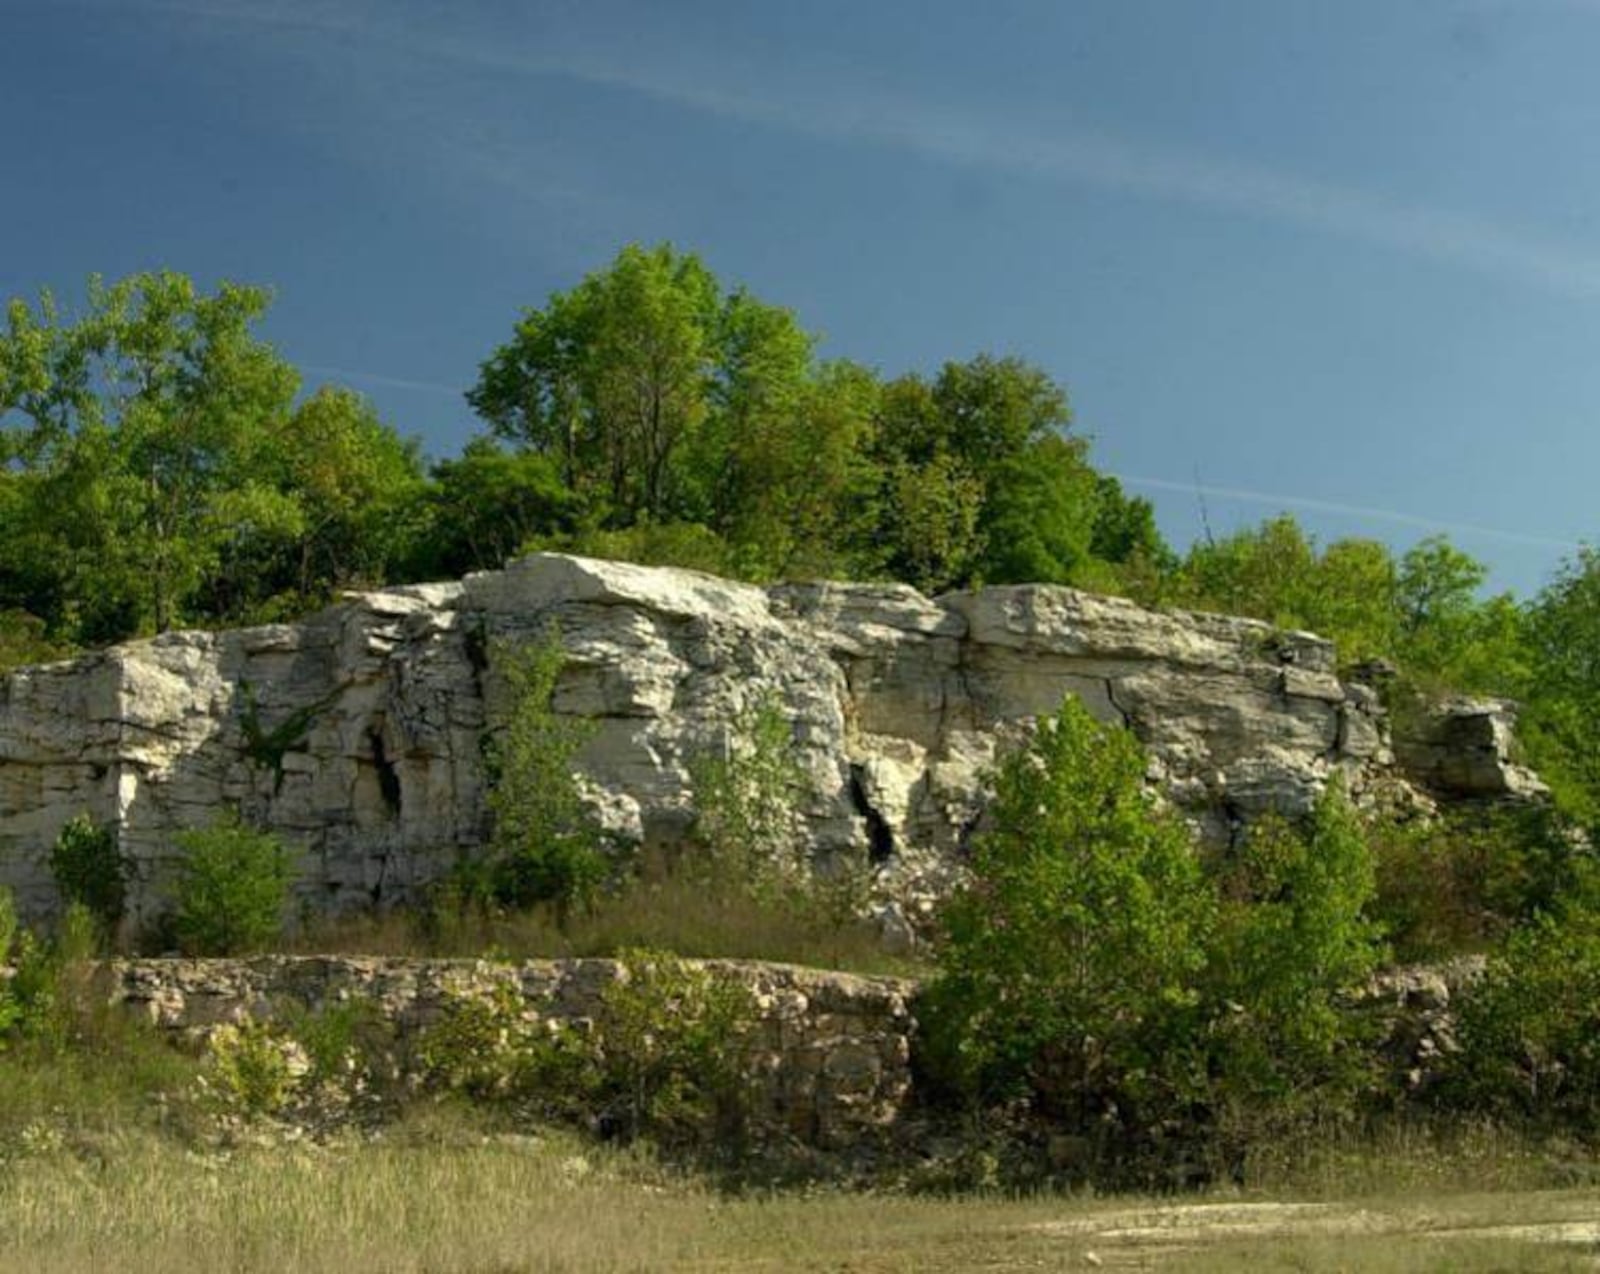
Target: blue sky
{"x":1337,"y":258}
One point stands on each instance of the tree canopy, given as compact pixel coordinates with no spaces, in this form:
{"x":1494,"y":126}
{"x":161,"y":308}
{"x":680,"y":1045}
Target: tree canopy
{"x":160,"y":473}
{"x":164,"y":468}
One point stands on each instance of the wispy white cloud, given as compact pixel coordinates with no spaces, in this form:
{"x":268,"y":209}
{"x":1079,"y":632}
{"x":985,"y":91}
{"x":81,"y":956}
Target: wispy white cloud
{"x":968,"y":136}
{"x":377,"y":378}
{"x":1074,"y":154}
{"x":1071,"y":153}
{"x":334,"y":16}
{"x":1311,"y":504}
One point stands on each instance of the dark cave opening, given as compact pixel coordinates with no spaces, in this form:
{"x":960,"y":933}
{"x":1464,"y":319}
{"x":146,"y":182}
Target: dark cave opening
{"x":880,"y":839}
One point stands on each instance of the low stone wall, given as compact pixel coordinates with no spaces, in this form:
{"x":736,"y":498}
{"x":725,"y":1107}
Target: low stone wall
{"x":832,"y":1053}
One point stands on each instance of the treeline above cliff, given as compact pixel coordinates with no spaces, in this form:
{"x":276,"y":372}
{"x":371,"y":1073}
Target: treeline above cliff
{"x":163,"y":469}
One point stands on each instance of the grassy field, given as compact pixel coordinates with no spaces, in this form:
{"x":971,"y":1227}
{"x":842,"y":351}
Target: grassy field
{"x":436,"y":1200}
{"x":106,"y":1166}
{"x":111,"y":1160}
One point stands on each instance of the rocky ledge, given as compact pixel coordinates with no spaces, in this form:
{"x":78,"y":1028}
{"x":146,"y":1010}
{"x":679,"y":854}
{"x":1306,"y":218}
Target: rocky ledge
{"x":830,"y":1055}
{"x":358,"y":733}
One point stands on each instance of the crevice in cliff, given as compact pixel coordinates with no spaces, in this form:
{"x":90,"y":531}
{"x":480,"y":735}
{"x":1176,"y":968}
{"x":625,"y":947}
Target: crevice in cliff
{"x":1111,"y":698}
{"x":388,"y":776}
{"x":475,"y":643}
{"x":880,"y":837}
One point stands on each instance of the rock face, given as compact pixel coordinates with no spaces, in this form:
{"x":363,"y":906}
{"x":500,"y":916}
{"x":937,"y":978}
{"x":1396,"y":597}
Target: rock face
{"x":831,"y":1051}
{"x":358,"y":734}
{"x":1466,"y":748}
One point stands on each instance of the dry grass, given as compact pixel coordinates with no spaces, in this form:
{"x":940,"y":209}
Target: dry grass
{"x":673,"y":914}
{"x":445,"y":1196}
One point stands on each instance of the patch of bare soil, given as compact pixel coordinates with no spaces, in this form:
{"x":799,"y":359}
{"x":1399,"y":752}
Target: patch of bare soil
{"x":1157,"y":1235}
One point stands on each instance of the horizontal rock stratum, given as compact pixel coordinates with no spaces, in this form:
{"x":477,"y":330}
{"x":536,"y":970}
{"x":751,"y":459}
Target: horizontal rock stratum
{"x":830,"y":1052}
{"x":358,"y":733}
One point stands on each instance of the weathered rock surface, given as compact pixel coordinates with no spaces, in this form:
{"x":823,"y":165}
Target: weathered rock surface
{"x":1466,"y":748}
{"x":358,"y":733}
{"x":831,"y":1052}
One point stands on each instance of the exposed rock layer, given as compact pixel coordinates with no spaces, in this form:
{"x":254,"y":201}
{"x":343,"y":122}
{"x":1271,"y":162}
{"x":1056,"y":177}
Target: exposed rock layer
{"x":831,"y":1052}
{"x":358,"y":733}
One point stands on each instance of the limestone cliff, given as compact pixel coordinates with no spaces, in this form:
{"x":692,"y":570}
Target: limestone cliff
{"x":358,"y":732}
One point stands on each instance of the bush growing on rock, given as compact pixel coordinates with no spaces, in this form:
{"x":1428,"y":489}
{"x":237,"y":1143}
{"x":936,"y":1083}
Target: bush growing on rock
{"x":233,"y":885}
{"x":675,"y":1038}
{"x":495,"y":1046}
{"x":10,"y":1009}
{"x":1464,"y":882}
{"x":253,"y":1070}
{"x":748,"y":828}
{"x":1135,"y":1001}
{"x":44,"y":981}
{"x":89,"y":868}
{"x":1293,"y":936}
{"x":544,"y":846}
{"x":1071,"y":964}
{"x":665,"y":1053}
{"x":1529,"y":1032}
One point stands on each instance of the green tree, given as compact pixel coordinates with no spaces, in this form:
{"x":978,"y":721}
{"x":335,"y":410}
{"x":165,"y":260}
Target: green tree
{"x":1448,"y":636}
{"x":802,"y":494}
{"x":932,"y":512}
{"x":487,"y":505}
{"x":1561,"y":720}
{"x":661,"y":398}
{"x":356,"y":484}
{"x":981,"y":482}
{"x":1072,"y":962}
{"x":1293,"y":937}
{"x":1039,"y":515}
{"x":748,"y":804}
{"x":90,"y":869}
{"x":613,"y":379}
{"x":150,"y":414}
{"x":1352,"y":599}
{"x":1125,"y":528}
{"x":1266,"y":572}
{"x":1526,"y":1034}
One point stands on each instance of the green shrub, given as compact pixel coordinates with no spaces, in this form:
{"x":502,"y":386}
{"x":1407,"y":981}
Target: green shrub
{"x":46,"y":999}
{"x":483,"y":1045}
{"x":1071,"y":963}
{"x":1293,"y":938}
{"x":252,"y":1070}
{"x":747,"y":797}
{"x":748,"y":850}
{"x":544,"y":846}
{"x":1529,"y":1032}
{"x":1151,"y":1010}
{"x":316,"y":1066}
{"x":664,"y":1055}
{"x":9,"y":925}
{"x":89,"y":868}
{"x":687,"y":545}
{"x":1463,"y":882}
{"x":233,"y":885}
{"x":345,"y":1041}
{"x":10,"y":1006}
{"x":674,"y":1040}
